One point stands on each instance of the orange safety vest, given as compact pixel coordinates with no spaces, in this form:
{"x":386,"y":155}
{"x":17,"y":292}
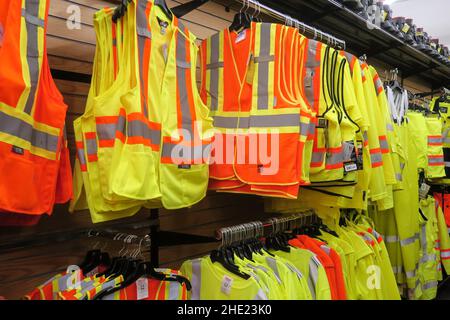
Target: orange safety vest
{"x":241,"y":83}
{"x":33,"y":150}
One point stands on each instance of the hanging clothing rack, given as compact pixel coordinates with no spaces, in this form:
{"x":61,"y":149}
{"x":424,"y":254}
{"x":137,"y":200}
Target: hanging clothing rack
{"x":261,"y":229}
{"x":305,"y":29}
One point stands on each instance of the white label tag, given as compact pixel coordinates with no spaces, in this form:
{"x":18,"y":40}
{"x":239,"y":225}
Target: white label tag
{"x":164,"y":52}
{"x":350,"y":167}
{"x":348,"y":151}
{"x":241,"y":36}
{"x":423,"y":191}
{"x":142,"y":288}
{"x":227,"y":282}
{"x":309,"y":78}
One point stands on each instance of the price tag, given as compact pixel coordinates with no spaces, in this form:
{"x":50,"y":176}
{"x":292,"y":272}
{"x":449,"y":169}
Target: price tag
{"x":423,"y":191}
{"x":350,"y":167}
{"x":142,"y":288}
{"x":241,"y":36}
{"x":227,"y":282}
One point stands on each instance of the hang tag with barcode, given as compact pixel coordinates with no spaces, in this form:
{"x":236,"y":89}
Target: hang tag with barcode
{"x":142,"y":288}
{"x":423,"y":191}
{"x":227,"y":282}
{"x":350,"y":167}
{"x":241,"y":36}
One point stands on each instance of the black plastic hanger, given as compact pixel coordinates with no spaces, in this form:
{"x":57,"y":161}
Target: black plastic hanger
{"x":102,"y":259}
{"x":241,"y":20}
{"x":120,"y":10}
{"x":218,"y":256}
{"x":89,"y":258}
{"x":163,"y":6}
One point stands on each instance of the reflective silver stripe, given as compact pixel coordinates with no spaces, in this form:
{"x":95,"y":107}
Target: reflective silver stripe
{"x":410,"y":274}
{"x":272,"y":263}
{"x":365,"y":137}
{"x":326,"y":249}
{"x":144,"y":32}
{"x":183,"y":64}
{"x":447,"y":164}
{"x":389,"y":127}
{"x":33,"y":19}
{"x":271,"y":121}
{"x":186,"y":153}
{"x":174,"y":290}
{"x":397,"y":269}
{"x":312,"y":128}
{"x":304,"y":129}
{"x":384,"y":144}
{"x":182,"y":76}
{"x":335,"y":158}
{"x":317,"y":157}
{"x":106,"y":131}
{"x":196,"y":280}
{"x":267,"y":58}
{"x":91,"y":146}
{"x":313,"y":276}
{"x":445,"y":133}
{"x":295,"y":270}
{"x":436,"y":160}
{"x":446,"y":140}
{"x":81,"y":156}
{"x":410,"y":240}
{"x":376,"y":158}
{"x":448,"y":230}
{"x":427,"y":258}
{"x":23,"y":130}
{"x":430,"y":285}
{"x":402,"y":165}
{"x":391,"y":239}
{"x":445,"y":254}
{"x":260,"y":295}
{"x":311,"y":65}
{"x":214,"y":72}
{"x":263,"y":66}
{"x":137,"y":128}
{"x":423,"y":239}
{"x":214,"y":65}
{"x":437,"y":140}
{"x":399,"y":176}
{"x":31,"y":16}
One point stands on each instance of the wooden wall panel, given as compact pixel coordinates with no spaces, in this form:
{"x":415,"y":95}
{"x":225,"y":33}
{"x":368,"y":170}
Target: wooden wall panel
{"x":25,"y":263}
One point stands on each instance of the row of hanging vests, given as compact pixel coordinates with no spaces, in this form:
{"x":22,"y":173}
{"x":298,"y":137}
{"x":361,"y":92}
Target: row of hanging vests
{"x":441,"y":104}
{"x":283,"y":114}
{"x":35,"y":170}
{"x":143,"y":139}
{"x":405,"y":148}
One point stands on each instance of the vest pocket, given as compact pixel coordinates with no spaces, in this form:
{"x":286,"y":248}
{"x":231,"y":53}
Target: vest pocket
{"x":135,"y":177}
{"x":20,"y":185}
{"x":182,"y":186}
